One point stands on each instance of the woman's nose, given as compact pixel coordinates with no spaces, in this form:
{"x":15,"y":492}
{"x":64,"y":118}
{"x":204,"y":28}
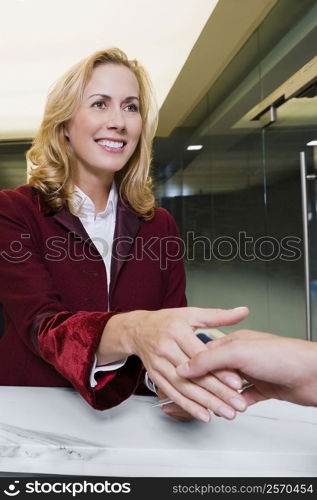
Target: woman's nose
{"x":115,"y":118}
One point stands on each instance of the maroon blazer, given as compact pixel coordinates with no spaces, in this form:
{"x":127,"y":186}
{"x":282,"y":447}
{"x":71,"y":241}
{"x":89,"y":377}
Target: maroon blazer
{"x":53,"y":288}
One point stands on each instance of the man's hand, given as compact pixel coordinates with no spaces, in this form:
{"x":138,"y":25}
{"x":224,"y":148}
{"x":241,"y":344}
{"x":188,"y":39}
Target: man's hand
{"x":278,"y":367}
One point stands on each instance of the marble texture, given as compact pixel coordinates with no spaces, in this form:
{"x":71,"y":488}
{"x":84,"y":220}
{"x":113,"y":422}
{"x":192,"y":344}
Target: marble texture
{"x":54,"y":431}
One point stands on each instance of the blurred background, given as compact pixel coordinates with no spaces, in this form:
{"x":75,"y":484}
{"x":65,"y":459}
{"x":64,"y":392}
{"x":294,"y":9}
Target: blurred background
{"x":236,"y":83}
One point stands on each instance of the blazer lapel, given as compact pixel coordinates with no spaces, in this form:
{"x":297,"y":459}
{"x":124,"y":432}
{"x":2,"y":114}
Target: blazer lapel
{"x":71,"y":223}
{"x":63,"y":217}
{"x":127,"y":226}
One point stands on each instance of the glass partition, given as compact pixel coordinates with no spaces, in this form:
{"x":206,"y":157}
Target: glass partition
{"x":237,"y":199}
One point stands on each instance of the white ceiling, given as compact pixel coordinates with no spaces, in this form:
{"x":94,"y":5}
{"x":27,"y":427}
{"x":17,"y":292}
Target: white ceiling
{"x":40,"y":39}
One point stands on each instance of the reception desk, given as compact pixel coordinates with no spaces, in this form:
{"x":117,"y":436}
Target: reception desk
{"x":54,"y":431}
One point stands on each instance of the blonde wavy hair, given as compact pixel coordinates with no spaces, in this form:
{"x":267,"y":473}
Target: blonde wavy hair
{"x":51,"y":158}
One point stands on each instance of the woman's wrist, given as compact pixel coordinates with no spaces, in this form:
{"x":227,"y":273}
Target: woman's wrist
{"x":131,"y":326}
{"x":119,"y":335}
{"x":112,"y":346}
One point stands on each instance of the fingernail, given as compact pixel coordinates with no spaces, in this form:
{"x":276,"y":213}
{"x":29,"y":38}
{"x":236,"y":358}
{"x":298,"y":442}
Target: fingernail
{"x":166,"y":410}
{"x":240,"y":308}
{"x":234,"y":382}
{"x":205,"y":417}
{"x":226,"y":412}
{"x":238,"y":404}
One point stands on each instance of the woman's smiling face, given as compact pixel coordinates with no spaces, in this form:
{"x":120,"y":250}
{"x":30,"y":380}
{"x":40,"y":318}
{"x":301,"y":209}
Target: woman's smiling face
{"x":105,"y":129}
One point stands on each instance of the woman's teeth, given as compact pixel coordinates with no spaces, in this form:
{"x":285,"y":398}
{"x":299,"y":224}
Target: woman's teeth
{"x":110,"y":144}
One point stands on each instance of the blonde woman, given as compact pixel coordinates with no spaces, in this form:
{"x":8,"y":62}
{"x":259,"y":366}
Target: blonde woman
{"x":91,"y":272}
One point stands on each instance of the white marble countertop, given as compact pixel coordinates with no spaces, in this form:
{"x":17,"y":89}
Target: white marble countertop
{"x":54,"y":431}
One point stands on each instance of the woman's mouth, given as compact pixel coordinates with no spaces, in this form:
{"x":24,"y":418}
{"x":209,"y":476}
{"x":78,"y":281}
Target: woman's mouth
{"x":110,"y":145}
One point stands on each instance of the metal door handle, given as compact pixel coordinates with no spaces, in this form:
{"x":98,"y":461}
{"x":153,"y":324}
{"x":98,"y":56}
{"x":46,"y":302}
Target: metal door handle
{"x":305,"y":241}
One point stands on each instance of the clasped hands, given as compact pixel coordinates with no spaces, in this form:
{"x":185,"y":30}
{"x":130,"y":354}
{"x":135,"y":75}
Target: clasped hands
{"x":215,"y":392}
{"x":165,"y":339}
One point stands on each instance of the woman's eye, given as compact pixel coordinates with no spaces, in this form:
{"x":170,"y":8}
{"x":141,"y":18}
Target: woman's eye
{"x":132,"y":107}
{"x":99,"y":104}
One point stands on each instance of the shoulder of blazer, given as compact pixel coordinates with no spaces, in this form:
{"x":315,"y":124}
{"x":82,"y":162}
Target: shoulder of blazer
{"x":22,"y":194}
{"x":26,"y":195}
{"x":18,"y":198}
{"x":164,"y":219}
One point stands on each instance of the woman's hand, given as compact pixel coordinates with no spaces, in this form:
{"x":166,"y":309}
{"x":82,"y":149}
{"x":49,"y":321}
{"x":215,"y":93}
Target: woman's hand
{"x":173,"y":410}
{"x":164,"y":339}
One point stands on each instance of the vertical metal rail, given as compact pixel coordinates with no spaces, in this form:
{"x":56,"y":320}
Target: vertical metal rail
{"x":305,"y":243}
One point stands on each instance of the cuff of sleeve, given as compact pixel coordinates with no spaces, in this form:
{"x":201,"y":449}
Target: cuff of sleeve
{"x":149,"y":384}
{"x":104,"y":368}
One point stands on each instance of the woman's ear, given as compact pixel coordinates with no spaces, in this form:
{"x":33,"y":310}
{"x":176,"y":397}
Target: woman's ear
{"x":66,"y":134}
